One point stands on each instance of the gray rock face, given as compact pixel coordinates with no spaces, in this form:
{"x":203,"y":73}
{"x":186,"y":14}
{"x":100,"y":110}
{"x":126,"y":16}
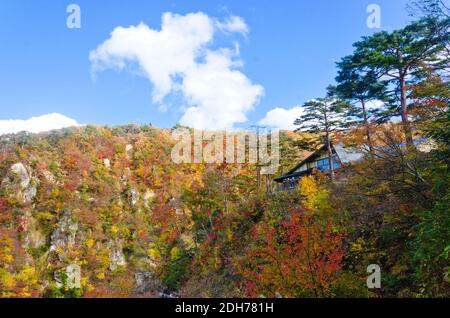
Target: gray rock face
{"x":145,"y":282}
{"x":125,"y":176}
{"x":71,"y":277}
{"x":33,"y":238}
{"x":128,"y":148}
{"x":20,"y":170}
{"x":28,"y":194}
{"x":49,"y":177}
{"x":116,"y":257}
{"x":64,"y":236}
{"x":21,"y":183}
{"x":134,"y":197}
{"x":168,"y":295}
{"x":148,"y":197}
{"x":107,"y":163}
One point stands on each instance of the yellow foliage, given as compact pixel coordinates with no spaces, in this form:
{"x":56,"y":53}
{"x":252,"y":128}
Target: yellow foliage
{"x":6,"y":246}
{"x":114,"y":230}
{"x":175,"y":253}
{"x":359,"y":246}
{"x":101,"y":276}
{"x":25,"y":293}
{"x":229,"y":234}
{"x":89,"y":287}
{"x":28,"y":276}
{"x":7,"y":280}
{"x":153,"y":253}
{"x":44,"y":216}
{"x":308,"y":190}
{"x":8,"y":259}
{"x":103,"y":258}
{"x":90,"y":243}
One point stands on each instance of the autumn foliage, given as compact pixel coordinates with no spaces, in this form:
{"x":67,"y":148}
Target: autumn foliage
{"x":299,"y":258}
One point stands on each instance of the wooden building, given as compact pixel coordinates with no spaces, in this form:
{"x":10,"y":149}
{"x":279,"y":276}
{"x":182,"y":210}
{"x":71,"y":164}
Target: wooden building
{"x":317,"y":161}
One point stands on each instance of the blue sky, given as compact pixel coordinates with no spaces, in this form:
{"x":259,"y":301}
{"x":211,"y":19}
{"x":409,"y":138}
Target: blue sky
{"x":289,"y":51}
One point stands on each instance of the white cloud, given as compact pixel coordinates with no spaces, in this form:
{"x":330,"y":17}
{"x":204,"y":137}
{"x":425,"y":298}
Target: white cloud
{"x":374,"y":104}
{"x":233,"y":24}
{"x":178,"y":58}
{"x":36,"y":124}
{"x":282,"y":118}
{"x":222,"y":96}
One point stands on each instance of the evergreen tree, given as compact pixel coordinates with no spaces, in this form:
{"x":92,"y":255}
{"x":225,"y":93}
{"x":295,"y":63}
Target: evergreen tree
{"x":434,"y":8}
{"x":359,"y":88}
{"x":403,"y":57}
{"x":323,"y":116}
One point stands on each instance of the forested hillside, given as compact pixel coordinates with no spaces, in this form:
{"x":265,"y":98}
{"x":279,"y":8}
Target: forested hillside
{"x":110,"y":201}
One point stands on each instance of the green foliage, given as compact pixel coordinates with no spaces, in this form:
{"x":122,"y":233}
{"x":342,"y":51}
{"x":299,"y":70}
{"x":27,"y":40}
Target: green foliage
{"x":176,"y":269}
{"x":37,"y":252}
{"x":55,"y":292}
{"x":430,"y":249}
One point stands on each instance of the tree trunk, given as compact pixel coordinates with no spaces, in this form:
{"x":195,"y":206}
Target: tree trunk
{"x":330,"y":156}
{"x":404,"y":105}
{"x":366,"y":126}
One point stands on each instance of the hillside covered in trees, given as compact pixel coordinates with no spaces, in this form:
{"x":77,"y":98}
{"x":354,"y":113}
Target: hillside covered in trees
{"x":111,"y":202}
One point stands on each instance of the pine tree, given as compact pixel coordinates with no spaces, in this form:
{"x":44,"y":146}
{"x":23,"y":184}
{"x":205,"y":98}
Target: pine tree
{"x":323,"y":116}
{"x":402,"y":57}
{"x":359,"y":88}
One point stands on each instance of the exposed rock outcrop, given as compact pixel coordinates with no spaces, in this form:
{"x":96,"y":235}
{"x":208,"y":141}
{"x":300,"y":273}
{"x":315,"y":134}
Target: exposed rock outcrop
{"x":145,"y":281}
{"x":49,"y":177}
{"x":20,"y":183}
{"x":63,"y":238}
{"x":70,"y":278}
{"x":134,"y":197}
{"x":116,"y":257}
{"x":33,"y":238}
{"x":128,"y":148}
{"x":107,"y":163}
{"x":148,"y":197}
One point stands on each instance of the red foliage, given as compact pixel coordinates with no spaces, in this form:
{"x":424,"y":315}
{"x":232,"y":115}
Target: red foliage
{"x":303,"y":254}
{"x":3,"y":205}
{"x":4,"y":215}
{"x":22,"y":223}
